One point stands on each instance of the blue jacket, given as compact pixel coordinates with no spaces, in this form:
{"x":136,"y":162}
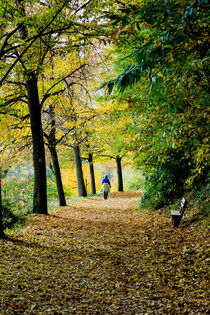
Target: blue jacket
{"x":106,"y":180}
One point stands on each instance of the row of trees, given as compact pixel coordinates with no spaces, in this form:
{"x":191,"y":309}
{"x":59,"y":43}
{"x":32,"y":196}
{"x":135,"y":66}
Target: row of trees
{"x":156,"y":102}
{"x":45,"y":56}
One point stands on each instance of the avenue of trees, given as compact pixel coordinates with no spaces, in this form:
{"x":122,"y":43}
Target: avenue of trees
{"x":108,"y":80}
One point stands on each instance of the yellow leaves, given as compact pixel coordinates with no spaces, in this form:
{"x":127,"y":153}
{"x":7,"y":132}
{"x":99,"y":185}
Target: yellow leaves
{"x":170,"y":58}
{"x":101,"y":257}
{"x":94,"y":24}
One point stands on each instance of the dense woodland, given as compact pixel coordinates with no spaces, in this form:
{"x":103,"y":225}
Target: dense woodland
{"x":106,"y":80}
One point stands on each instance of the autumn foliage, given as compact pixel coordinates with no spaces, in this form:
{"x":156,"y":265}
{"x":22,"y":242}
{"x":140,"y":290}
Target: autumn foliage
{"x":104,"y":257}
{"x":90,"y":82}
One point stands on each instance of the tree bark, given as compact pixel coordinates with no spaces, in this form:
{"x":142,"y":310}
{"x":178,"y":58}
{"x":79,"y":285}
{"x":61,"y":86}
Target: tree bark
{"x":92,"y":175}
{"x":59,"y":184}
{"x":80,"y":179}
{"x":119,"y":173}
{"x":54,"y":156}
{"x":1,"y":216}
{"x":40,"y":182}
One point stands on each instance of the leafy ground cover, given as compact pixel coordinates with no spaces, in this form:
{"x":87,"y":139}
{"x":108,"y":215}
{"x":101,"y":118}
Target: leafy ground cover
{"x":104,"y":257}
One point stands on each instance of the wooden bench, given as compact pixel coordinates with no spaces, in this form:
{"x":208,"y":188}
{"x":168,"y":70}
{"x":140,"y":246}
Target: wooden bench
{"x":176,"y":215}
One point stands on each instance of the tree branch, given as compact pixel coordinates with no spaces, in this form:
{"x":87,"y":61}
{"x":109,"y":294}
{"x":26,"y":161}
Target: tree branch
{"x":47,"y":94}
{"x":6,"y":40}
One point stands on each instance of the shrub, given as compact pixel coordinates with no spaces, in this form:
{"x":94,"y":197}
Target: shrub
{"x":9,"y":218}
{"x":135,"y":181}
{"x":18,"y":190}
{"x":200,"y":198}
{"x":166,"y":181}
{"x":51,"y":190}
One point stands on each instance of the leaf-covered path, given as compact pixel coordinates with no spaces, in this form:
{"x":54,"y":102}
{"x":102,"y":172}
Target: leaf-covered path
{"x":104,"y":257}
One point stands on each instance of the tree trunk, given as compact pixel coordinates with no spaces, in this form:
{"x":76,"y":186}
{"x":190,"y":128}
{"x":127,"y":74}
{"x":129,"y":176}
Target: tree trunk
{"x":54,"y":156}
{"x":1,"y":217}
{"x":119,"y":173}
{"x":80,"y":179}
{"x":59,"y":184}
{"x":92,"y":176}
{"x":40,"y":182}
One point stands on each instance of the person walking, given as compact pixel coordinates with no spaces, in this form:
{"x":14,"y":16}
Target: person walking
{"x":106,"y":186}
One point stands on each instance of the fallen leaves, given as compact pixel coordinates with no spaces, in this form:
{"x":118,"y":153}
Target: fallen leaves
{"x":103,"y":257}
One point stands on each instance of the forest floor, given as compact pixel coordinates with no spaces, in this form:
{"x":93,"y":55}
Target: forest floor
{"x":98,"y":256}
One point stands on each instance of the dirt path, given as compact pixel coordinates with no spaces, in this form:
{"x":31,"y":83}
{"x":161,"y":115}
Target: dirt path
{"x":104,"y":257}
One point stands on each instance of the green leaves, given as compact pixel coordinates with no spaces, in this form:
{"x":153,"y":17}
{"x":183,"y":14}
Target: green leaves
{"x":166,"y":57}
{"x":164,"y":41}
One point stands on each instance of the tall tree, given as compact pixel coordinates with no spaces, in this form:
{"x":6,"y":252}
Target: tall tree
{"x":40,"y":188}
{"x":92,"y":175}
{"x":54,"y":156}
{"x":57,"y":85}
{"x":78,"y":164}
{"x":111,"y":144}
{"x":119,"y":173}
{"x":73,"y":118}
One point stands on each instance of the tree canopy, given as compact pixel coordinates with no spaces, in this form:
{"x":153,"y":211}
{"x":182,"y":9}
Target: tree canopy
{"x":162,"y":51}
{"x":153,"y":107}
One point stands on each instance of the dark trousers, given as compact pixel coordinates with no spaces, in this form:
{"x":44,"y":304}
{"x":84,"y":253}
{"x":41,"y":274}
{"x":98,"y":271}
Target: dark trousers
{"x":105,"y":194}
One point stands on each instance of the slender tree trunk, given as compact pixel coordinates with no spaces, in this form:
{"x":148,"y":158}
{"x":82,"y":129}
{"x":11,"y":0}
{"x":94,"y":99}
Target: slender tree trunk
{"x":59,"y":184}
{"x":40,"y":182}
{"x":119,"y":173}
{"x":1,"y":217}
{"x":80,"y":179}
{"x":54,"y":156}
{"x":92,"y":175}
